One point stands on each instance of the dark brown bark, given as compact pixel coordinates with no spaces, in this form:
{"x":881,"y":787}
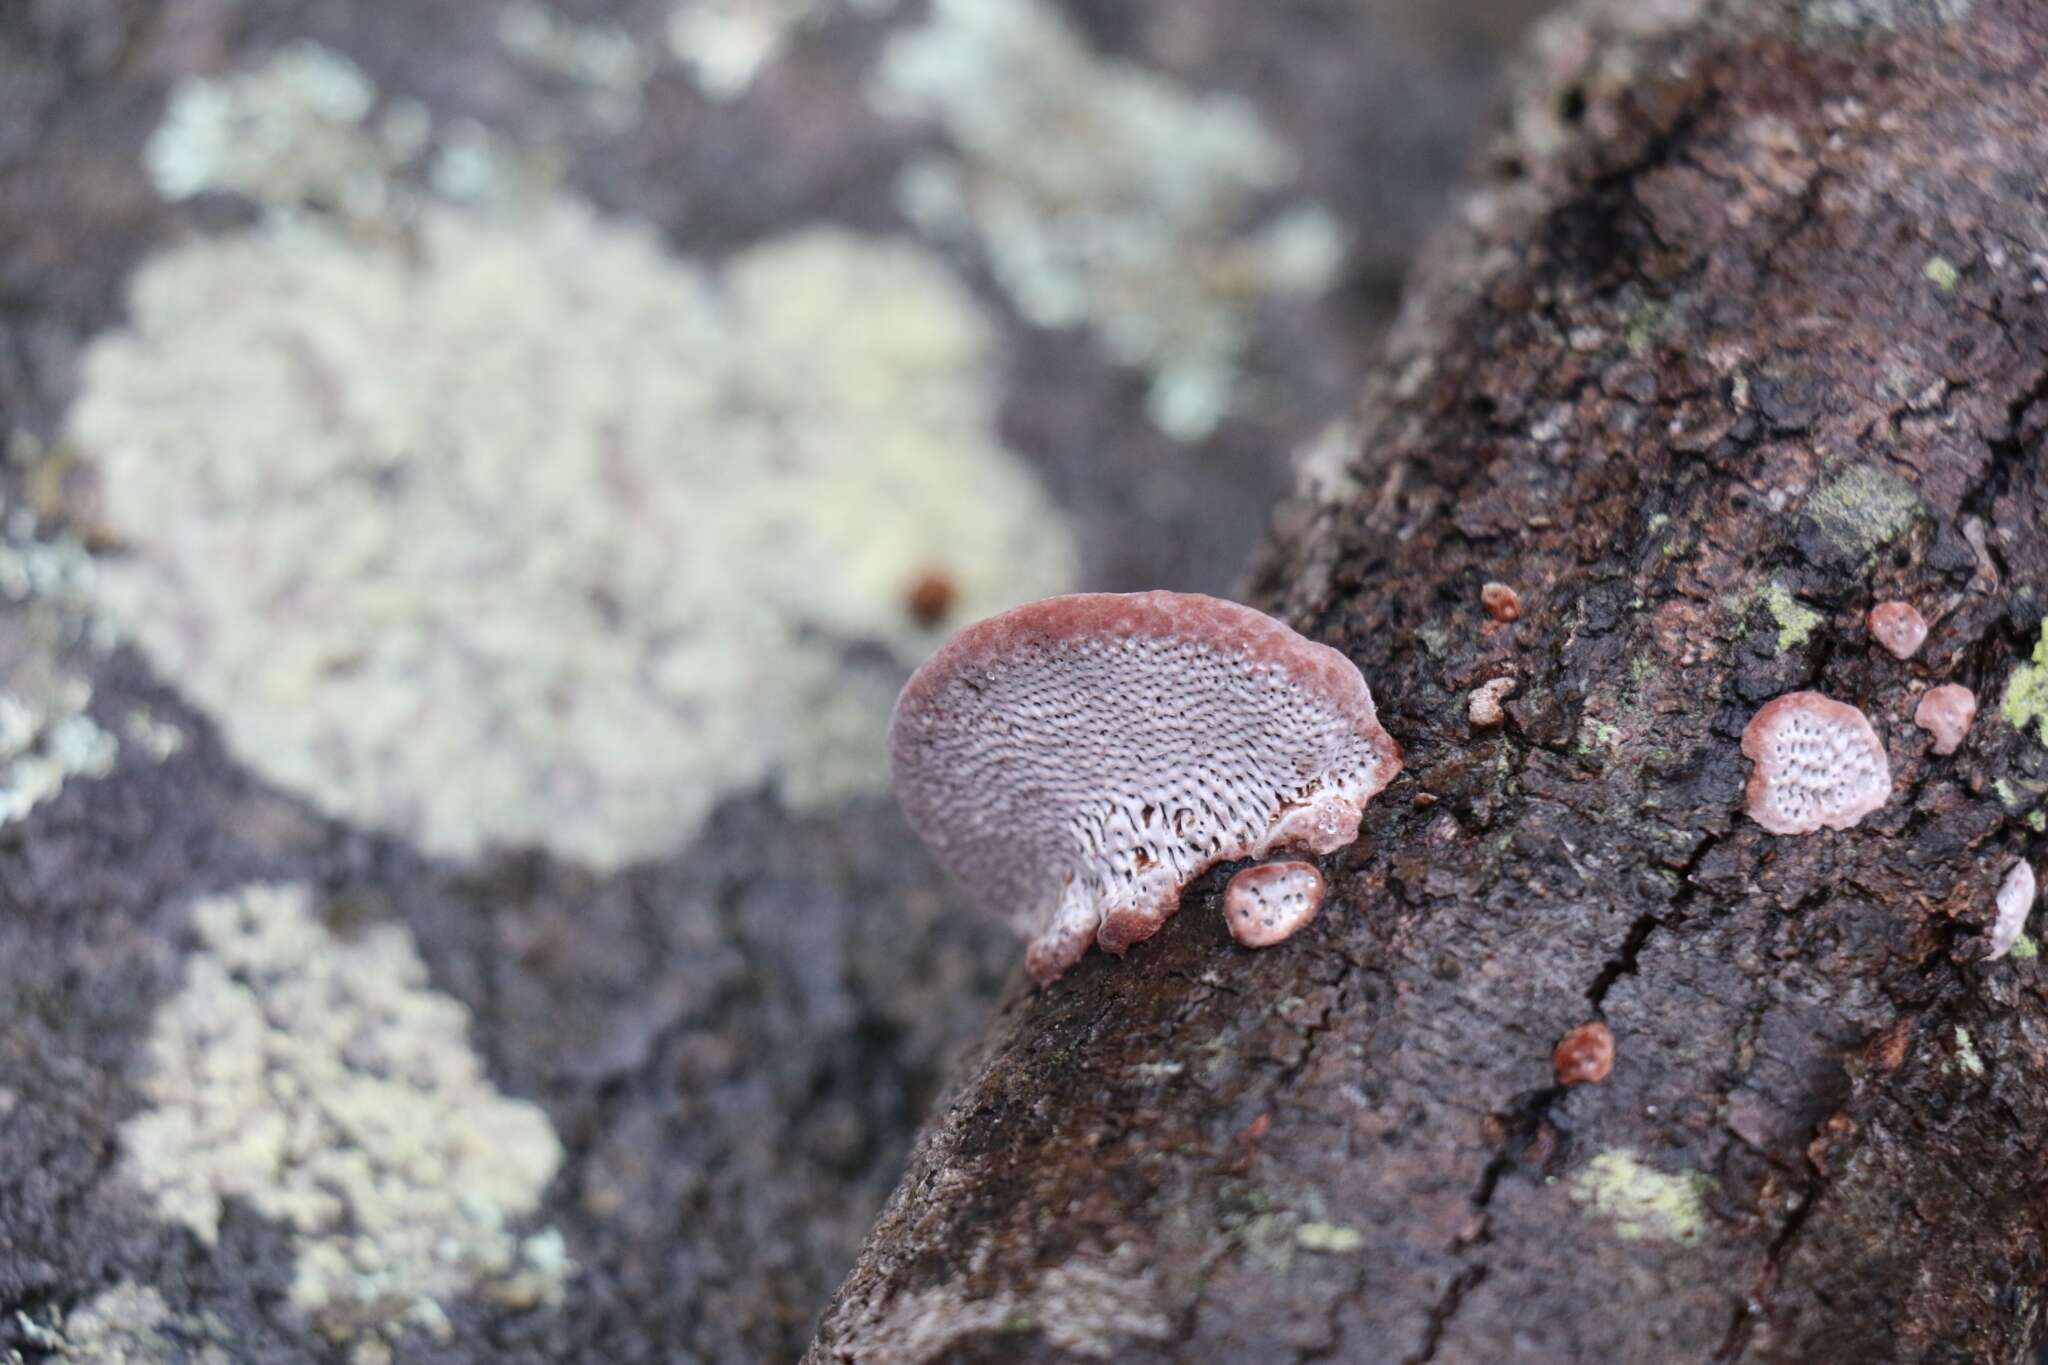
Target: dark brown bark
{"x":1745,"y":322}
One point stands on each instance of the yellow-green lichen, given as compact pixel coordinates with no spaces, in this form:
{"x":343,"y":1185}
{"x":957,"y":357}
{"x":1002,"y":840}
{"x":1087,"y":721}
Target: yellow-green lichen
{"x":524,"y":531}
{"x":1641,"y":1202}
{"x":1104,"y":195}
{"x":2026,"y":692}
{"x":1796,"y":622}
{"x":1942,"y":274}
{"x":322,"y":1081}
{"x":1329,"y":1238}
{"x":1966,"y":1052}
{"x":2024,"y":949}
{"x":1862,"y":509}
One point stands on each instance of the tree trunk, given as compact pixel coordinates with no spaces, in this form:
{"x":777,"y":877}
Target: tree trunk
{"x":1741,"y":333}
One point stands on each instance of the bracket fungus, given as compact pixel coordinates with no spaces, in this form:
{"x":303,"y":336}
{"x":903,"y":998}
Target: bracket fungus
{"x":1899,"y":627}
{"x":1267,"y":903}
{"x":1502,"y":602}
{"x":1946,"y":712}
{"x":2015,"y":902}
{"x":1076,"y":762}
{"x":1585,"y":1056}
{"x":1818,"y":763}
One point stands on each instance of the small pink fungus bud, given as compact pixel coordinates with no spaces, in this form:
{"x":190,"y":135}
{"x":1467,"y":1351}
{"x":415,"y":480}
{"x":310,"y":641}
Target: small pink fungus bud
{"x":1267,"y":903}
{"x":1584,"y":1055}
{"x":1818,"y":763}
{"x":1484,"y":708}
{"x":1898,"y":627}
{"x":2015,"y":902}
{"x":1502,"y":602}
{"x":1946,"y":713}
{"x":1076,"y":762}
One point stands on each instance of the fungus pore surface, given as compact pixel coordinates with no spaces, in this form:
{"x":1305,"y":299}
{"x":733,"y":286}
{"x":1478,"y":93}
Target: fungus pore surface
{"x":1818,"y":763}
{"x":1269,"y":902}
{"x":1076,"y":762}
{"x":1898,"y":627}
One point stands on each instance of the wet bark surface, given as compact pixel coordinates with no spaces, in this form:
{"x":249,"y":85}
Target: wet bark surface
{"x":1742,"y":332}
{"x":734,"y":1042}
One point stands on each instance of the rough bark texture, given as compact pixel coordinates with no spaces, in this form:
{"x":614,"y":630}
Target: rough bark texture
{"x":733,"y":1040}
{"x":1742,"y":331}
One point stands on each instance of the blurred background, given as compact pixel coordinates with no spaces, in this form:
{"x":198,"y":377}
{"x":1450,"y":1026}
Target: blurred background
{"x":477,"y":472}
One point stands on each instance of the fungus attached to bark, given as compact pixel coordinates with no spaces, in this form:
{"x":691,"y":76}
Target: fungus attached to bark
{"x":1502,"y":602}
{"x":1898,"y":627}
{"x":1946,"y":712}
{"x":1584,"y":1055}
{"x":1266,"y":903}
{"x":2015,"y":902}
{"x":1077,"y":761}
{"x":1818,"y":763}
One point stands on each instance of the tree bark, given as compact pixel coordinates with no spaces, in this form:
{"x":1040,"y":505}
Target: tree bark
{"x":1741,"y":332}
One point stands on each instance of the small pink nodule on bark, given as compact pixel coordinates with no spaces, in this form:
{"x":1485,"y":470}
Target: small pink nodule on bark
{"x":1484,"y":709}
{"x":1076,"y":762}
{"x":1898,"y":627}
{"x":1266,"y":904}
{"x":1946,"y":712}
{"x":1502,"y":602}
{"x":2015,"y":902}
{"x":1584,"y":1056}
{"x":1818,"y":764}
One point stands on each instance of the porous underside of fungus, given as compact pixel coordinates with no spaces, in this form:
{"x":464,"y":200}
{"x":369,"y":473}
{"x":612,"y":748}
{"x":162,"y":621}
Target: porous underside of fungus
{"x":1269,"y":902}
{"x":1899,"y":627}
{"x":2015,"y":902}
{"x":1818,"y":763}
{"x":1946,"y":712}
{"x":1076,"y":762}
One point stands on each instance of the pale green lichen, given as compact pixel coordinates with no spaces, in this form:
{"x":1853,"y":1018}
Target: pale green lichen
{"x":130,"y":1324}
{"x":724,"y":44}
{"x":1796,"y":622}
{"x":2024,"y":949}
{"x":527,"y":532}
{"x":2026,"y":692}
{"x":1641,"y":1202}
{"x":288,"y":129}
{"x":1105,"y":196}
{"x":1862,"y":509}
{"x":1942,"y":274}
{"x":604,"y":59}
{"x":323,"y":1082}
{"x":1966,"y":1052}
{"x":1328,"y":1238}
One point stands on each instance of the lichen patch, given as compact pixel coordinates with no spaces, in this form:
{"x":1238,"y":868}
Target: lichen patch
{"x":1641,"y":1202}
{"x":526,"y":532}
{"x":1106,"y":196}
{"x":324,"y":1082}
{"x":2026,"y":693}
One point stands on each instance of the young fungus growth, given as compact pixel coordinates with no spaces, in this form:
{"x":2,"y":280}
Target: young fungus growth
{"x":1076,"y":762}
{"x":1946,"y":712}
{"x":1267,"y":903}
{"x":1818,"y":765}
{"x":1898,"y":627}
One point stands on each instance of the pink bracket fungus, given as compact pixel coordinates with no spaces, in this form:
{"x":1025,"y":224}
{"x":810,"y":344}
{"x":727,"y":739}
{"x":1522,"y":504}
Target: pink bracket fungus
{"x":1818,"y":763}
{"x":1266,"y":903}
{"x":1898,"y":627}
{"x":1484,"y":709}
{"x":1076,"y":762}
{"x":2015,"y":902}
{"x":1946,"y":712}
